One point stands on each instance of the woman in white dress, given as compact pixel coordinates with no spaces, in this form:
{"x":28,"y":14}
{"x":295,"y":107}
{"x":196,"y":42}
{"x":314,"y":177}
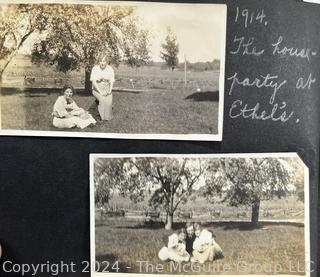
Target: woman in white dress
{"x":205,"y":247}
{"x":67,"y":114}
{"x":176,"y":250}
{"x":102,"y":78}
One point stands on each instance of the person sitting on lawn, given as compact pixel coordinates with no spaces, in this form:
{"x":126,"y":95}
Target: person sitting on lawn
{"x":67,"y":114}
{"x":190,"y":237}
{"x":176,"y":250}
{"x":205,"y":247}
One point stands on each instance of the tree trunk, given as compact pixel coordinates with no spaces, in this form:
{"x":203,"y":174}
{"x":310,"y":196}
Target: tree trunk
{"x":169,"y":222}
{"x":2,"y":69}
{"x":14,"y":52}
{"x":7,"y":60}
{"x":87,"y":82}
{"x":255,"y":213}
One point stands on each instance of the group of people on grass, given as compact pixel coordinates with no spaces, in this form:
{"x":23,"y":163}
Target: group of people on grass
{"x":67,"y":114}
{"x":192,"y":243}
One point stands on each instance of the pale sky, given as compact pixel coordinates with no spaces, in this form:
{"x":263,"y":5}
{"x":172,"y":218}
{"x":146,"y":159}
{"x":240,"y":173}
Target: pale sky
{"x":200,"y":28}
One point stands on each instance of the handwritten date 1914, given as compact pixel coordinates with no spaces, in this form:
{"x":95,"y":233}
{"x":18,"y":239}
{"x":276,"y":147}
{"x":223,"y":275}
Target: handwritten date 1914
{"x":250,"y":17}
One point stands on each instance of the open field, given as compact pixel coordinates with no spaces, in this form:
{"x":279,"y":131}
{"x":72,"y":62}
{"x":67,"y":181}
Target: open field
{"x":273,"y":249}
{"x":146,"y":77}
{"x":288,"y":209}
{"x":155,"y":111}
{"x":158,"y":101}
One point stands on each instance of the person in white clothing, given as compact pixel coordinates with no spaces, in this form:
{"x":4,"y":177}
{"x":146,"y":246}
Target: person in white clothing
{"x":102,"y":78}
{"x":176,"y":250}
{"x":205,"y":247}
{"x":67,"y":114}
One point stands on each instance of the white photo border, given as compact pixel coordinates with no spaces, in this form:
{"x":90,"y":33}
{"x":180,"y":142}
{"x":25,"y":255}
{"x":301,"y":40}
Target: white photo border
{"x":142,"y":136}
{"x":92,"y":158}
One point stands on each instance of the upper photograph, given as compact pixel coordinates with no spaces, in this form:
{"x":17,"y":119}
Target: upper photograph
{"x":112,"y":69}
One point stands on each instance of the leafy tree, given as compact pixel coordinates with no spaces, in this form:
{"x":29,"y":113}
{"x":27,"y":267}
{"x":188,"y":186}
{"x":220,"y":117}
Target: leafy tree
{"x":103,"y":188}
{"x":247,"y":181}
{"x":77,"y":34}
{"x":136,"y":49}
{"x":17,"y":24}
{"x":108,"y":175}
{"x":298,"y":168}
{"x":169,"y":181}
{"x":116,"y":176}
{"x":170,"y":50}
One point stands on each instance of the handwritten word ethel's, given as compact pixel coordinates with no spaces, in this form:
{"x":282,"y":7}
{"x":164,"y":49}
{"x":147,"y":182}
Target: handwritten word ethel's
{"x":277,"y":113}
{"x":268,"y":81}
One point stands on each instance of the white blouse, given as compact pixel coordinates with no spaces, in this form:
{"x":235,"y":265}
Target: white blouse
{"x":61,"y":107}
{"x":173,"y":241}
{"x":98,"y":74}
{"x":204,"y":238}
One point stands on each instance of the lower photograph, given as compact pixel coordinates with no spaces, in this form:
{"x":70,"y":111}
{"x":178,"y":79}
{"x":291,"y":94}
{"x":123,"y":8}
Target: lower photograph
{"x":226,"y":214}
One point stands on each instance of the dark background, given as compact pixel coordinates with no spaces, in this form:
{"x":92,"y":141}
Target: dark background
{"x":44,"y":182}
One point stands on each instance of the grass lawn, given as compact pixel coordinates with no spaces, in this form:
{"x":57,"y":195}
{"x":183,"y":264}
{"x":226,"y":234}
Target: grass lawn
{"x":273,"y":249}
{"x":153,"y":111}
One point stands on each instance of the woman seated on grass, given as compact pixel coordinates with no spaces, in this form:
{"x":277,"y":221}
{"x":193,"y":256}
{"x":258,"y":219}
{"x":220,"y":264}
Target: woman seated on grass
{"x":205,"y":247}
{"x":67,"y":114}
{"x":176,"y":250}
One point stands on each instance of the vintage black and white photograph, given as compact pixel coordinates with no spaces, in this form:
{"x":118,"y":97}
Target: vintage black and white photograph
{"x":236,"y":214}
{"x":112,"y":69}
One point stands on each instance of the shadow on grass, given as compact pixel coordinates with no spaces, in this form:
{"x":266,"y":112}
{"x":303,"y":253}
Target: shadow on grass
{"x":248,"y":226}
{"x":93,"y":109}
{"x":133,"y":91}
{"x":205,"y":96}
{"x":38,"y":92}
{"x":230,"y":225}
{"x":30,"y":92}
{"x":35,"y":92}
{"x":153,"y":226}
{"x":143,"y":226}
{"x":110,"y":263}
{"x":9,"y":91}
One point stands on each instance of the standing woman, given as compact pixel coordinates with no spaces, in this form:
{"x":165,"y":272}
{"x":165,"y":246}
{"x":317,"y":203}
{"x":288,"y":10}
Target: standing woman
{"x":102,"y":78}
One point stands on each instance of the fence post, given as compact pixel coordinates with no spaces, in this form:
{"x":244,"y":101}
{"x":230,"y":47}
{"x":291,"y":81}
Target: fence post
{"x":185,"y":71}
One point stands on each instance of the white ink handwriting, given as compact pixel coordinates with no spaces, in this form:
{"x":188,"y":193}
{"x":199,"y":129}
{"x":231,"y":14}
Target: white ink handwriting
{"x":251,"y":17}
{"x":268,"y":81}
{"x":303,"y":53}
{"x":278,"y":112}
{"x":245,"y":47}
{"x":302,"y":84}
